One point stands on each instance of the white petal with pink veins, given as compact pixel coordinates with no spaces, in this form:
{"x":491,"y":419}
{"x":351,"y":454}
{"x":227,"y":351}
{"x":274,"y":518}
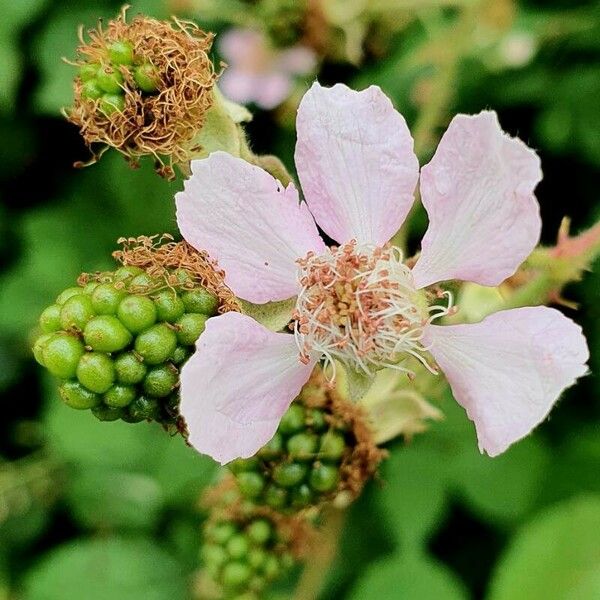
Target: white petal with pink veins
{"x":508,"y":370}
{"x":356,"y":163}
{"x":237,"y":385}
{"x":247,"y":221}
{"x":478,"y":191}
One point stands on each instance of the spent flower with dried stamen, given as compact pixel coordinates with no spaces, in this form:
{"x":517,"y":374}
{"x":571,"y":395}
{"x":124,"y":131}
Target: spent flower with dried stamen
{"x":144,"y":88}
{"x":359,"y":303}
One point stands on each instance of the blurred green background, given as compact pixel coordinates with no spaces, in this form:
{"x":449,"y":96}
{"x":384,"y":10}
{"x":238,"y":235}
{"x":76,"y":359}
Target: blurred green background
{"x":93,"y":510}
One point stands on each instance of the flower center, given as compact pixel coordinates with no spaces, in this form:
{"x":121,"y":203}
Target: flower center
{"x":358,"y":304}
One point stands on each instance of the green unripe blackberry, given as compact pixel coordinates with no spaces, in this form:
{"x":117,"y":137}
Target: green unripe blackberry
{"x":146,"y":77}
{"x":121,"y":53}
{"x":321,"y":448}
{"x":156,"y":344}
{"x":245,"y":551}
{"x":61,"y":354}
{"x":112,"y":103}
{"x":114,"y":338}
{"x":201,"y":301}
{"x":76,"y":312}
{"x":110,"y":80}
{"x":50,"y":319}
{"x":106,"y":298}
{"x":77,"y":396}
{"x":106,"y":333}
{"x":129,"y":368}
{"x":88,"y":71}
{"x":137,"y":313}
{"x":96,"y":372}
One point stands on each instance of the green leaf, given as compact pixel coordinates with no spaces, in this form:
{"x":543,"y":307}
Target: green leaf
{"x":555,"y":557}
{"x":117,"y":568}
{"x":410,"y":577}
{"x":273,"y":315}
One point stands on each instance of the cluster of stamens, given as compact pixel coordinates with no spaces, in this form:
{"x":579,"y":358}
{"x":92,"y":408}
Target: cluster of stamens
{"x":358,"y":304}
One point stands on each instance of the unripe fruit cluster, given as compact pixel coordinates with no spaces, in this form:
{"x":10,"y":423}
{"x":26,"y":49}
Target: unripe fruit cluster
{"x":242,"y":557}
{"x":118,"y":343}
{"x":300,"y":466}
{"x":106,"y":81}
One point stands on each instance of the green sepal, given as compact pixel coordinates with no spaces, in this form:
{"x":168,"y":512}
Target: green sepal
{"x":273,"y":315}
{"x":352,"y":384}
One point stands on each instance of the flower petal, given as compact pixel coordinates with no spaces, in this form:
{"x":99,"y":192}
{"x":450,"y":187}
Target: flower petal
{"x":508,"y":370}
{"x":239,"y":85}
{"x":273,"y":89}
{"x":249,"y":223}
{"x":356,"y":163}
{"x":237,"y":385}
{"x":478,"y":192}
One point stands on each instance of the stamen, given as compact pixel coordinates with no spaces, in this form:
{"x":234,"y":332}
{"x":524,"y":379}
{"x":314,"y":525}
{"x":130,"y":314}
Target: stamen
{"x":358,"y":304}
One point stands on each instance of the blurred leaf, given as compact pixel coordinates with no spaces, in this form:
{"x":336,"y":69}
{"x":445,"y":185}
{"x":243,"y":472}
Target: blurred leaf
{"x":410,"y":577}
{"x":102,"y":569}
{"x":555,"y":557}
{"x":106,"y":499}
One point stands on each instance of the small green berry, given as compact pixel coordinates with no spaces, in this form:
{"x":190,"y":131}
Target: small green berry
{"x":137,"y":313}
{"x":142,"y":283}
{"x":236,"y":574}
{"x":76,"y":312}
{"x":180,"y":355}
{"x":107,"y":413}
{"x":271,"y":568}
{"x":169,"y":306}
{"x":333,"y":445}
{"x":275,"y":497}
{"x":77,"y":396}
{"x":119,"y":396}
{"x":251,"y":483}
{"x":144,"y":408}
{"x":96,"y":372}
{"x":259,"y":531}
{"x":61,"y":354}
{"x":273,"y":447}
{"x":88,"y":71}
{"x":112,"y":103}
{"x":90,"y":287}
{"x":106,"y":334}
{"x":302,"y":445}
{"x":324,"y":478}
{"x":121,"y":53}
{"x":129,"y":368}
{"x":214,"y":554}
{"x":256,"y":557}
{"x":110,"y":80}
{"x":68,"y":293}
{"x":90,"y":90}
{"x":146,"y":78}
{"x":127,"y":272}
{"x":189,"y":328}
{"x":183,"y":277}
{"x":302,"y":496}
{"x":106,"y":299}
{"x":289,"y":474}
{"x":238,"y":546}
{"x":240,"y":465}
{"x":201,"y":301}
{"x":293,"y":420}
{"x":38,"y":348}
{"x":160,"y":381}
{"x":50,"y":319}
{"x":156,"y":344}
{"x":221,"y":532}
{"x":316,"y":419}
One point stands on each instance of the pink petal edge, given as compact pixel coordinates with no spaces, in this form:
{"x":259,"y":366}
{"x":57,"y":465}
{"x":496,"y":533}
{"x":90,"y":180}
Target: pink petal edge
{"x":356,"y":163}
{"x":237,"y":386}
{"x":478,"y":191}
{"x":249,"y":223}
{"x":508,"y":370}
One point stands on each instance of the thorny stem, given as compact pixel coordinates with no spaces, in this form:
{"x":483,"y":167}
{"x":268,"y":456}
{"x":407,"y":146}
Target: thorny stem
{"x":322,"y":553}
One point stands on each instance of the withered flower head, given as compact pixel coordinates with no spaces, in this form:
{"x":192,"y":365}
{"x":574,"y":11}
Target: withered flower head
{"x":143,"y":88}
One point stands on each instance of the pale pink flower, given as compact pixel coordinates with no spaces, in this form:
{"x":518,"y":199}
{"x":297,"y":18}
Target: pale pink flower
{"x":259,"y":73}
{"x":359,"y":303}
